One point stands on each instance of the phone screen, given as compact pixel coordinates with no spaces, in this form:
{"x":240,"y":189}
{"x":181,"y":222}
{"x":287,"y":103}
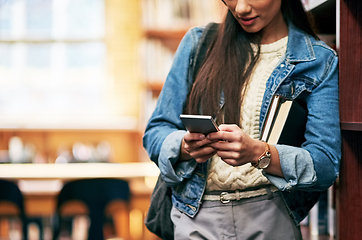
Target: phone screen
{"x":199,"y":123}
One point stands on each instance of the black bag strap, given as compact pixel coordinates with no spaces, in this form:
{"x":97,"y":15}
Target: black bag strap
{"x":203,"y":45}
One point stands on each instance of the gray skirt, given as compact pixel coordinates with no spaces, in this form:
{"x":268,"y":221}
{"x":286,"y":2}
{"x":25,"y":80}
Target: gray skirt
{"x":258,"y":218}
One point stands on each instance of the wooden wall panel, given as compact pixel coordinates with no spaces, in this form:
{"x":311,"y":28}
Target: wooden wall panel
{"x":350,"y":187}
{"x":351,"y":61}
{"x":350,"y":183}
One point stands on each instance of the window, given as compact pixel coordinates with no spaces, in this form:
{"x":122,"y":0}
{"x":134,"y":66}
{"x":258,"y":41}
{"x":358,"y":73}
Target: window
{"x":53,"y":61}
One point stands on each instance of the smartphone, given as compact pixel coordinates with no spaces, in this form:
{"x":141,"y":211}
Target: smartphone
{"x":199,"y":123}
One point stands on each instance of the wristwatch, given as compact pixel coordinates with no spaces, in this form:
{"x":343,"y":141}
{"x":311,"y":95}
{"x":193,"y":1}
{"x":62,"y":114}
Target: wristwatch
{"x":264,"y":160}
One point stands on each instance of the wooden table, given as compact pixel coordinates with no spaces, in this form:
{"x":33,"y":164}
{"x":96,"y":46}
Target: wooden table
{"x":40,"y":183}
{"x":73,"y":171}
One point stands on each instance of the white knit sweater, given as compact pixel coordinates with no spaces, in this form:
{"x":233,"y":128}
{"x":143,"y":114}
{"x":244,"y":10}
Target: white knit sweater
{"x":222,"y":176}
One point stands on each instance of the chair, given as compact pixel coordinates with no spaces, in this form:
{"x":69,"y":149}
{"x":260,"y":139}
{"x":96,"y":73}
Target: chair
{"x":90,"y":197}
{"x":11,"y":204}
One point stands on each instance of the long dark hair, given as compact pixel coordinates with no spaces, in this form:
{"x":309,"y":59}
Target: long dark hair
{"x":229,"y":63}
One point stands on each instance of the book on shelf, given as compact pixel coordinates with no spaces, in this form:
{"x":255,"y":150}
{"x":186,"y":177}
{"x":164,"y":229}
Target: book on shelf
{"x":181,"y":14}
{"x":156,"y":60}
{"x":312,"y":4}
{"x":285,"y":122}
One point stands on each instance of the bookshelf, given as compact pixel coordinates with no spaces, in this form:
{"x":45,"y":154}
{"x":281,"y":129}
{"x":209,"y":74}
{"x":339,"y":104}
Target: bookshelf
{"x":345,"y":18}
{"x":178,"y":14}
{"x":324,"y":12}
{"x":350,"y":184}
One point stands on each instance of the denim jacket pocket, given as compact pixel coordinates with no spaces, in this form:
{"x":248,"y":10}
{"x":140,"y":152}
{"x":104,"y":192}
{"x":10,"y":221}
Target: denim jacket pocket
{"x":293,"y":87}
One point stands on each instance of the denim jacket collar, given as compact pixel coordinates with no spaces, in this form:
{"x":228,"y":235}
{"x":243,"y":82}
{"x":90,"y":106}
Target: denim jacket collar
{"x":298,"y":40}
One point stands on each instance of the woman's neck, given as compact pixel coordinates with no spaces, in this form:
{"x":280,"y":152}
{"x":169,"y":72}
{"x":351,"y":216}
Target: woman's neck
{"x":276,"y":30}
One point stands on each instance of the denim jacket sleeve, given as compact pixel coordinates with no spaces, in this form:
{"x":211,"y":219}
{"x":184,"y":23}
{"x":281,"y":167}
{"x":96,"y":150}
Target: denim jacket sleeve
{"x":164,"y":131}
{"x":315,"y":166}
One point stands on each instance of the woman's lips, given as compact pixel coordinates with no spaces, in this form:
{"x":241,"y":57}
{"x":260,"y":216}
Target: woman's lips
{"x":247,"y":21}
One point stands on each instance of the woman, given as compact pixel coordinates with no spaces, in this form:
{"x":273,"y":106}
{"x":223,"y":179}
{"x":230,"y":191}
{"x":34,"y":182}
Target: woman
{"x":220,"y":189}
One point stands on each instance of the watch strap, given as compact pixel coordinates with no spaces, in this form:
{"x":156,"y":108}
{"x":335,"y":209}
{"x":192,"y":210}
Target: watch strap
{"x":266,"y":153}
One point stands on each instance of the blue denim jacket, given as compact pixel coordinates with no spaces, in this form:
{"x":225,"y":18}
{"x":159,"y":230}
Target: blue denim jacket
{"x":309,"y":73}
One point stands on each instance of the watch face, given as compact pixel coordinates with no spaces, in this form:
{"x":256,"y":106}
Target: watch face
{"x":264,"y":162}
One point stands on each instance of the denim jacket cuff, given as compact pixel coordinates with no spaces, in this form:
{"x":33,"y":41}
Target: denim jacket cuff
{"x":171,"y":172}
{"x":297,"y":167}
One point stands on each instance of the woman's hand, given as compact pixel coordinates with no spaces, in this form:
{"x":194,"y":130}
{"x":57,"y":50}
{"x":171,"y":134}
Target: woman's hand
{"x":237,"y":147}
{"x":231,"y":144}
{"x":197,"y":146}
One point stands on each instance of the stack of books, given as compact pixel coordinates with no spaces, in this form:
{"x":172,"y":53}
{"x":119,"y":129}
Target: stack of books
{"x":285,"y":122}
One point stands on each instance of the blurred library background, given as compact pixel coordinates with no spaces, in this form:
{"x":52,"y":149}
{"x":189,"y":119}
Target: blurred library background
{"x":78,"y":81}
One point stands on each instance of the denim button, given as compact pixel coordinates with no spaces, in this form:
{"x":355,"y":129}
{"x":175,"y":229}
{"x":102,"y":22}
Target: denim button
{"x":282,"y":65}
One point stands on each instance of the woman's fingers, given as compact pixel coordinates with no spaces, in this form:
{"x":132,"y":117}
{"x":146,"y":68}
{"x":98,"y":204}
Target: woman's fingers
{"x":198,"y":146}
{"x":188,"y":137}
{"x":228,"y":132}
{"x":237,"y":147}
{"x":204,"y":158}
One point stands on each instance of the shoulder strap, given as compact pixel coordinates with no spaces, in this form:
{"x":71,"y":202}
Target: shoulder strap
{"x":203,"y":45}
